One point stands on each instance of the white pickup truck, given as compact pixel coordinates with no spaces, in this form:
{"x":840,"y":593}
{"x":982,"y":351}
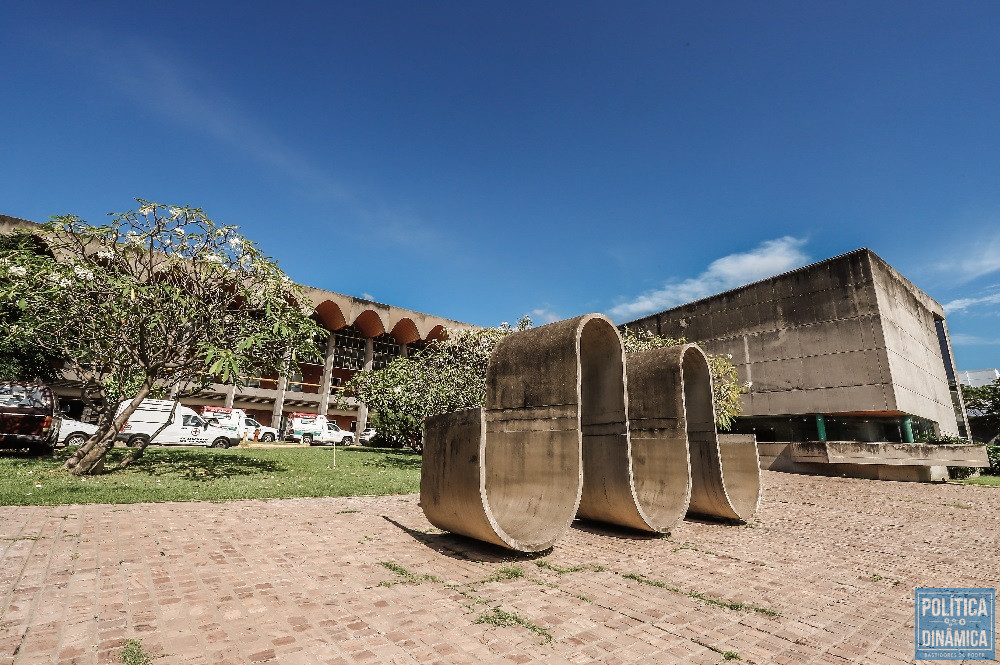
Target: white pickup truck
{"x":316,"y":430}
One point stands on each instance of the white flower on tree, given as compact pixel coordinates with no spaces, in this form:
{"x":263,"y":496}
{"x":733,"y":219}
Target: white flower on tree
{"x":83,"y":273}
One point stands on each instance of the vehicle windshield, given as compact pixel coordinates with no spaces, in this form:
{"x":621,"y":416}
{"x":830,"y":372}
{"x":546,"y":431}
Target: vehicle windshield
{"x":193,"y":421}
{"x":12,"y":394}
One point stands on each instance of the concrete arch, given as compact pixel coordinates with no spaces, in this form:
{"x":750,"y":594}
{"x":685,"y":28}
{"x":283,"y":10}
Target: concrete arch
{"x":370,"y":323}
{"x":405,"y":331}
{"x":511,"y":473}
{"x":725,"y":476}
{"x":570,"y":428}
{"x":438,"y":333}
{"x":330,"y":315}
{"x":643,"y":481}
{"x":400,"y":321}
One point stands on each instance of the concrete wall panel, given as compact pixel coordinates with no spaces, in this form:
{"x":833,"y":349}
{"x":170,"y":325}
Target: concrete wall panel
{"x":847,"y":334}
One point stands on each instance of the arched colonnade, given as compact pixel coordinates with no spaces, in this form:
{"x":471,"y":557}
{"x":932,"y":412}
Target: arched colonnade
{"x":364,"y":335}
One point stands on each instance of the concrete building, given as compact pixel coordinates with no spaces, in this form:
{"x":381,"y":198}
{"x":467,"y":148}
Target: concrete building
{"x":362,"y":335}
{"x":846,"y":349}
{"x":977,"y":378}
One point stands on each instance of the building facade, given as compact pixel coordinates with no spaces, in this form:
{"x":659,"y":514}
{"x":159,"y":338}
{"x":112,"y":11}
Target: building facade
{"x":360,"y":335}
{"x":845,"y":349}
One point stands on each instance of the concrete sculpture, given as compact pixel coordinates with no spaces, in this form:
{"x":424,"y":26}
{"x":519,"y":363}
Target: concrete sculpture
{"x":562,"y":436}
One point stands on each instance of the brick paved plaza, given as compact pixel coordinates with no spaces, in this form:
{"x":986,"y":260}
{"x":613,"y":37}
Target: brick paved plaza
{"x":825,"y":575}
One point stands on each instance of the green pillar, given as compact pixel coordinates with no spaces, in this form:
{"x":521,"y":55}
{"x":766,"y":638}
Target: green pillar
{"x":821,"y":426}
{"x":907,"y":429}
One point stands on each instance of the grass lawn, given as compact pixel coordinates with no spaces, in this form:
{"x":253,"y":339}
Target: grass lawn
{"x":208,"y":474}
{"x":984,"y":481}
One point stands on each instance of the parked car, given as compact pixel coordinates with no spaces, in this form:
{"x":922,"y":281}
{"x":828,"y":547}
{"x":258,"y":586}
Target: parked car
{"x":75,"y":432}
{"x":338,"y":436}
{"x":367,"y":435}
{"x":238,"y":421}
{"x":185,"y":427}
{"x":29,"y":417}
{"x":316,"y":430}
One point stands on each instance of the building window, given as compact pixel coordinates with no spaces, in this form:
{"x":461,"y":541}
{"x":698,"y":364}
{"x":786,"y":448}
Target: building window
{"x":386,"y":349}
{"x":350,"y":349}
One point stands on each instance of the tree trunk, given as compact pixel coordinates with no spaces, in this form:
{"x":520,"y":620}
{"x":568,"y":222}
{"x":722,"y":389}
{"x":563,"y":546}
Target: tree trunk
{"x":81,"y":452}
{"x":89,"y":459}
{"x":133,"y":456}
{"x":92,"y":462}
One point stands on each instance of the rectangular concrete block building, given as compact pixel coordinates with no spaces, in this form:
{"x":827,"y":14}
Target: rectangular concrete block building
{"x":844,"y":349}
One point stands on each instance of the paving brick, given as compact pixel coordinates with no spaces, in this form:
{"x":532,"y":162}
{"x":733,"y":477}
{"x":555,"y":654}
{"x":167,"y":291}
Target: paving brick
{"x":300,"y":581}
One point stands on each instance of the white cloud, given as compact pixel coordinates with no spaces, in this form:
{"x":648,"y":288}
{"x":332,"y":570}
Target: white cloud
{"x":963,"y":304}
{"x":180,"y":93}
{"x":368,"y":296}
{"x":767,"y":259}
{"x":980,"y":257}
{"x":961,"y":339}
{"x":168,"y":86}
{"x":544,"y":315}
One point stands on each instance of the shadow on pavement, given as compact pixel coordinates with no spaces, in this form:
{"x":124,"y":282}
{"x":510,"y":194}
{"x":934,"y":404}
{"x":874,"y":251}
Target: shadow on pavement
{"x":463,"y":548}
{"x":615,"y":531}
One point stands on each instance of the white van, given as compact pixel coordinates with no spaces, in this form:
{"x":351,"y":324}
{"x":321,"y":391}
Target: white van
{"x":237,"y":421}
{"x":314,"y":429}
{"x":186,"y":428}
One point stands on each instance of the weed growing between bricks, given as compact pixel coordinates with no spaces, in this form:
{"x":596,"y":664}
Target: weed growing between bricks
{"x":500,"y":618}
{"x":506,"y":573}
{"x":133,"y":654}
{"x":879,"y":578}
{"x":726,"y":655}
{"x":695,"y":548}
{"x":718,"y":602}
{"x":457,"y":588}
{"x":408,"y":577}
{"x":562,"y":570}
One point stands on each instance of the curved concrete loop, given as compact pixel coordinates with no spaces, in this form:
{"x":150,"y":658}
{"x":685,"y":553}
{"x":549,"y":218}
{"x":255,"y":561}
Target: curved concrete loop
{"x":554,"y":442}
{"x":511,"y":473}
{"x":671,"y":463}
{"x":725,"y":476}
{"x":659,"y":470}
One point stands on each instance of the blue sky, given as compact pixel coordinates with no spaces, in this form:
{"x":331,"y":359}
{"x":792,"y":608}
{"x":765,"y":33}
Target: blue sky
{"x":483,"y":160}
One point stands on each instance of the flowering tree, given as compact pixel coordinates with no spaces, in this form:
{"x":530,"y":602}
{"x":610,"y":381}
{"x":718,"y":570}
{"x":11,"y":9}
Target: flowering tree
{"x":21,"y":359}
{"x":159,"y":301}
{"x":450,"y":375}
{"x":726,"y":386}
{"x":445,"y":376}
